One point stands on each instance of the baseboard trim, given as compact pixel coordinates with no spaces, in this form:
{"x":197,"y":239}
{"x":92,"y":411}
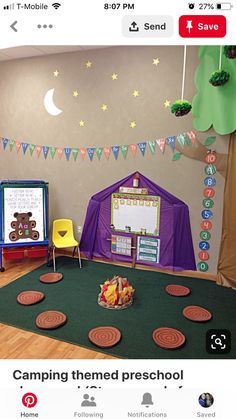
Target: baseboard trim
{"x":191,"y":274}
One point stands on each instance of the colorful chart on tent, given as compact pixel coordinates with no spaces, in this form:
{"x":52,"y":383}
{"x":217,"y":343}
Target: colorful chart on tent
{"x":197,"y":314}
{"x":51,"y":277}
{"x":50,"y":319}
{"x":104,"y":336}
{"x":28,"y":298}
{"x":168,"y":338}
{"x":177,"y":290}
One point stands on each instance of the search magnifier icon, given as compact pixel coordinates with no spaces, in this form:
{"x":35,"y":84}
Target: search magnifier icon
{"x":218,"y":341}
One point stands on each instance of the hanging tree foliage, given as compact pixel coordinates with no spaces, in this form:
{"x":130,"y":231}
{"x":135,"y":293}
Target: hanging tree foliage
{"x":214,"y":106}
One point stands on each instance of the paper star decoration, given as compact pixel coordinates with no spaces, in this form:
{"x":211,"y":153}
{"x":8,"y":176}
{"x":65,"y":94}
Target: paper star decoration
{"x":104,"y":107}
{"x":81,"y":123}
{"x":88,"y":64}
{"x":167,"y":103}
{"x":132,"y":124}
{"x":114,"y":76}
{"x":156,"y":61}
{"x":135,"y":93}
{"x":56,"y":73}
{"x":75,"y":93}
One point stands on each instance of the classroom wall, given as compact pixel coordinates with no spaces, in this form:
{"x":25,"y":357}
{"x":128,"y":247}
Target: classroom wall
{"x":23,"y":84}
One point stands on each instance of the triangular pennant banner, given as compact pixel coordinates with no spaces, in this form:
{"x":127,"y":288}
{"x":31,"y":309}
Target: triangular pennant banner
{"x":90,"y":151}
{"x":17,"y":145}
{"x":11,"y":144}
{"x":53,"y":152}
{"x":192,"y":136}
{"x":82,"y":152}
{"x":38,"y":150}
{"x":45,"y":151}
{"x":67,"y":151}
{"x":171,"y":142}
{"x":152,"y":146}
{"x":31,"y":148}
{"x":24,"y":147}
{"x":99,"y":151}
{"x":107,"y":152}
{"x":4,"y":143}
{"x":142,"y":147}
{"x":115,"y":151}
{"x":187,"y":140}
{"x":161,"y":142}
{"x":59,"y":152}
{"x":133,"y":148}
{"x":75,"y":152}
{"x":124,"y":150}
{"x":181,"y":139}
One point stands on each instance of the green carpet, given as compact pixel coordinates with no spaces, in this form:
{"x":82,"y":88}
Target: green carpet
{"x":76,"y":296}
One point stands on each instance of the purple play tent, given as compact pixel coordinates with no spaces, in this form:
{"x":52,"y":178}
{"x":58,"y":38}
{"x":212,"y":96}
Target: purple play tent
{"x":176,"y":246}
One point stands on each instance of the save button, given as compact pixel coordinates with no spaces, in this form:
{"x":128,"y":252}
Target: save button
{"x":198,"y":26}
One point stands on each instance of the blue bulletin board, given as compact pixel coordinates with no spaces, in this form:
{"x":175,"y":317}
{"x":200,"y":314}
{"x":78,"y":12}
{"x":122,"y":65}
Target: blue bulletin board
{"x":23,"y":214}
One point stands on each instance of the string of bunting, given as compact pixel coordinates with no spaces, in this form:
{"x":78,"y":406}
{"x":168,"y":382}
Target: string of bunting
{"x":187,"y":138}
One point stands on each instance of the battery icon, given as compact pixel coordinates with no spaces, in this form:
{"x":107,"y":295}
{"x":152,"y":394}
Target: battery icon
{"x":224,"y":6}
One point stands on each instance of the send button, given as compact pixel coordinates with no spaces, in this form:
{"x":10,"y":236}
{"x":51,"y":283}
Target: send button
{"x":147,"y":26}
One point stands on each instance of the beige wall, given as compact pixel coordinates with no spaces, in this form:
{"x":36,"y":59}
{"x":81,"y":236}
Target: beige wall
{"x":23,"y":84}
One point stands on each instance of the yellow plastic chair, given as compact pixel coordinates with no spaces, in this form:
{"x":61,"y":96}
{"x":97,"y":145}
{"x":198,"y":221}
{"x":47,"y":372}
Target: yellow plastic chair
{"x":63,"y":237}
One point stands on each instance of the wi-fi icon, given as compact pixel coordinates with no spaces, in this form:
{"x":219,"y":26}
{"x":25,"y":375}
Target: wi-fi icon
{"x":56,"y":5}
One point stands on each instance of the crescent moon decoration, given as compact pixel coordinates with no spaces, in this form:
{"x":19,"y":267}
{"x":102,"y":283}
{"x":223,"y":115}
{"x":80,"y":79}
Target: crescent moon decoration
{"x":49,"y":104}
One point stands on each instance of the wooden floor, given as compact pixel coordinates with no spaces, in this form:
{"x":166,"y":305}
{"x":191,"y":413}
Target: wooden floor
{"x":19,"y":344}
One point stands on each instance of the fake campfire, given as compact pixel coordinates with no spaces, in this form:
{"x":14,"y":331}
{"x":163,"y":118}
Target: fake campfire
{"x":116,"y":293}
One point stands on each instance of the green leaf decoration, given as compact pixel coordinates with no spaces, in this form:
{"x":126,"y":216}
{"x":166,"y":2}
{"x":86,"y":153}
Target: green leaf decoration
{"x":176,"y":156}
{"x":210,"y":140}
{"x":187,"y":140}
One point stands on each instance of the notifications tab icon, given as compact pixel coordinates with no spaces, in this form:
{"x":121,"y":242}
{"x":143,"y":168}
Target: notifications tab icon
{"x":198,"y":26}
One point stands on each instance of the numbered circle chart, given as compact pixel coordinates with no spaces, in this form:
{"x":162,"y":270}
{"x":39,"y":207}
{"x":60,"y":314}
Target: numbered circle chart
{"x":202,"y":266}
{"x":207,"y":214}
{"x":203,"y":255}
{"x":204,"y":245}
{"x":209,"y":192}
{"x":210,"y":169}
{"x":210,"y":181}
{"x":206,"y":225}
{"x":205,"y":235}
{"x":210,"y":158}
{"x":208,"y":203}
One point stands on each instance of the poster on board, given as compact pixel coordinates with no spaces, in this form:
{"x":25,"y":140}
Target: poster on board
{"x":136,"y":213}
{"x":121,"y":245}
{"x":148,"y":249}
{"x":23,"y":214}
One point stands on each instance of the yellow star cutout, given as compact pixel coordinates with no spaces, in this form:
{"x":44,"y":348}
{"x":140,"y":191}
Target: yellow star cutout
{"x":81,"y":123}
{"x":88,"y":64}
{"x":167,"y":103}
{"x":135,"y":93}
{"x":156,"y":61}
{"x":56,"y":73}
{"x":104,"y":107}
{"x":132,"y":124}
{"x":114,"y":76}
{"x":75,"y":93}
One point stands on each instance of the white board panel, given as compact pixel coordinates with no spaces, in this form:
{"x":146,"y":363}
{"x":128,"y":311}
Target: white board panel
{"x":23,"y":200}
{"x":137,"y":212}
